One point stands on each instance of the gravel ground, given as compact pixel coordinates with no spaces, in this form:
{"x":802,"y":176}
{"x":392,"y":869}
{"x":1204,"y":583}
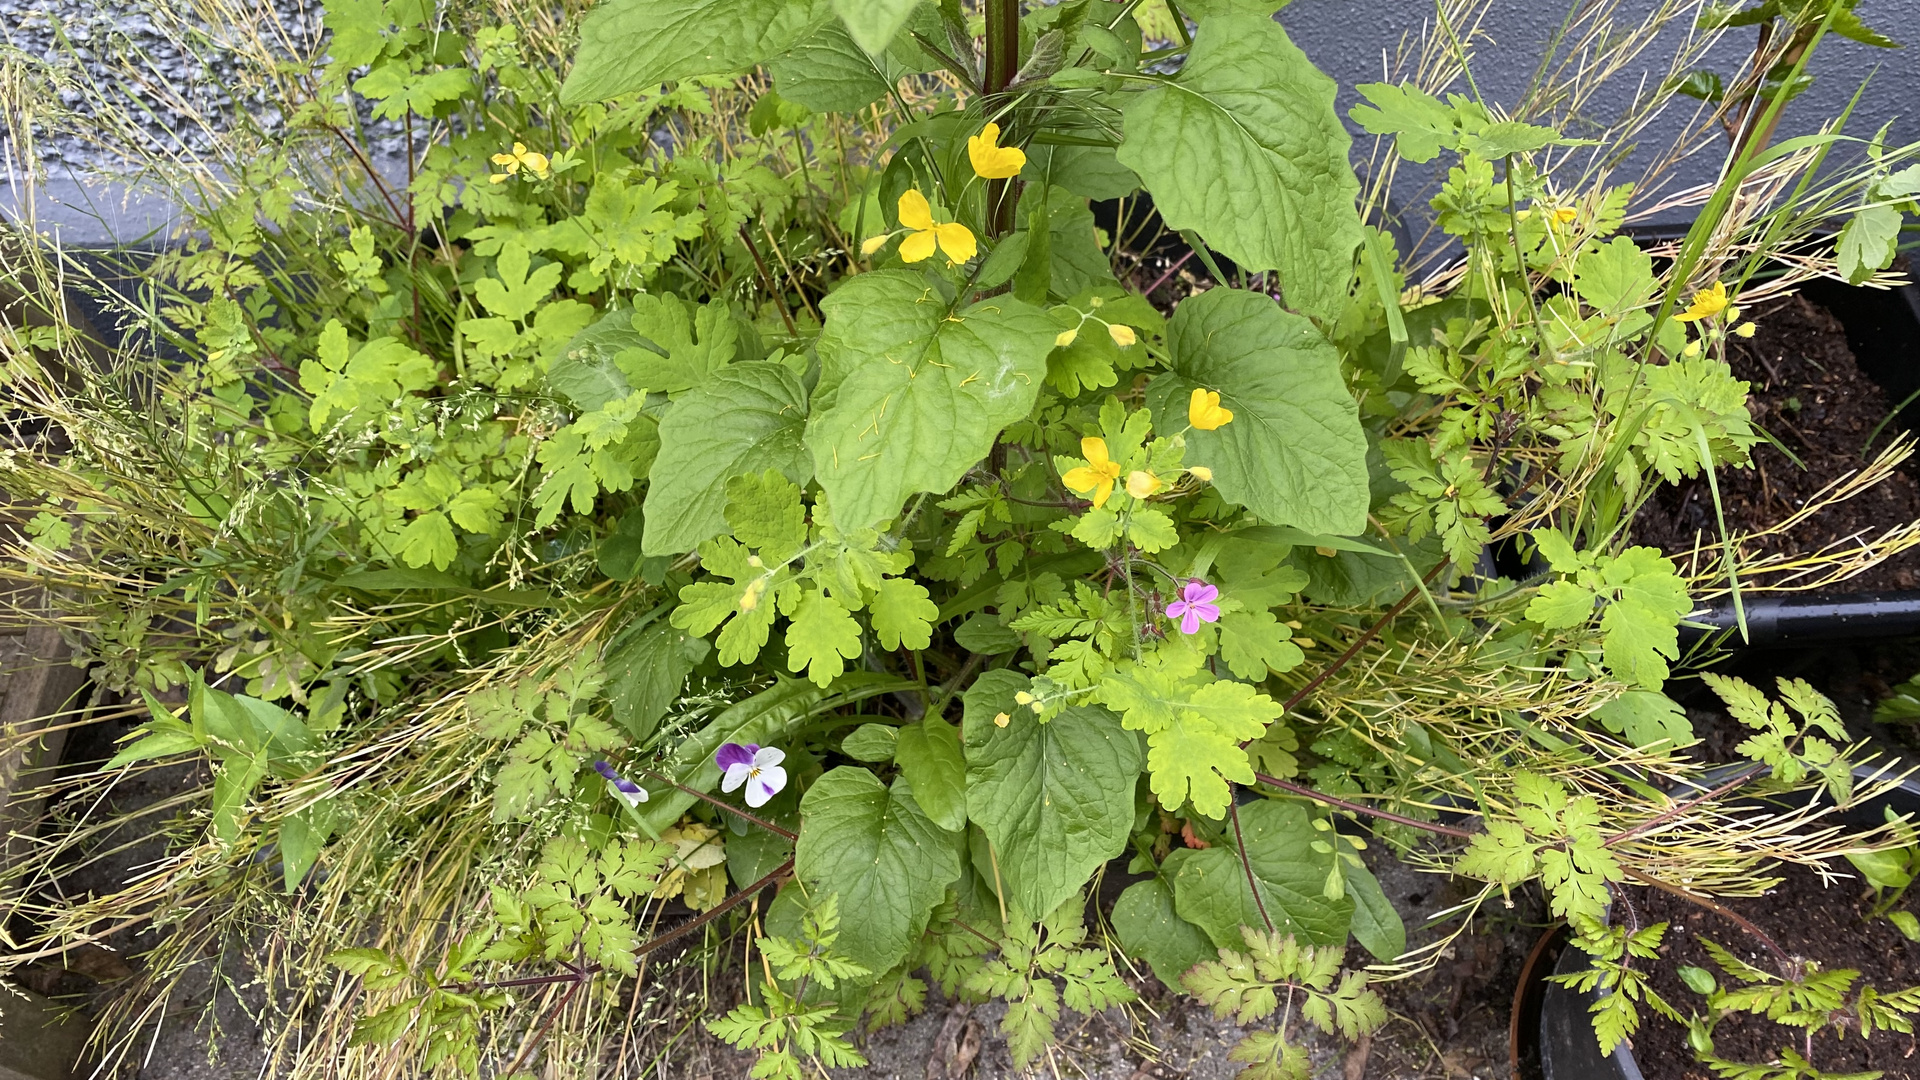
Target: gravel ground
{"x":184,"y":77}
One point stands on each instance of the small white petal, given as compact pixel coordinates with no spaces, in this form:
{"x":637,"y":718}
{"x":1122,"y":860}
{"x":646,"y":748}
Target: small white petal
{"x":736,"y":775}
{"x":769,"y":756}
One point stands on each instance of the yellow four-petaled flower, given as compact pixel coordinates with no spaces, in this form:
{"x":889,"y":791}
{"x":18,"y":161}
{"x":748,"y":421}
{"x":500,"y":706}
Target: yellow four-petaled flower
{"x":991,"y":161}
{"x":1204,"y":411}
{"x":924,"y":233}
{"x":1706,"y":304}
{"x":519,"y":158}
{"x":1097,"y":475}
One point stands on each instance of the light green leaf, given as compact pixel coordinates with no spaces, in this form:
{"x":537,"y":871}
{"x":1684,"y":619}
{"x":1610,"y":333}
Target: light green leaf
{"x":903,"y":614}
{"x":628,"y":45}
{"x":1615,"y":278}
{"x":821,"y":637}
{"x":872,"y":23}
{"x":1419,"y":122}
{"x":1194,"y":724}
{"x":1868,"y":242}
{"x":881,"y":854}
{"x":1646,"y":718}
{"x":1561,"y":604}
{"x":690,"y":343}
{"x":930,"y":759}
{"x":1293,"y":453}
{"x":1210,"y":887}
{"x":745,"y":418}
{"x":911,"y":397}
{"x":1254,"y":642}
{"x":1055,"y":798}
{"x":429,"y":539}
{"x":1150,"y":929}
{"x":515,"y":291}
{"x":1244,"y":147}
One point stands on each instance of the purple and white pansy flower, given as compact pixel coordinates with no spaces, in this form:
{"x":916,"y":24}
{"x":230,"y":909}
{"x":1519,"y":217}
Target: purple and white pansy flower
{"x":624,"y":789}
{"x":1195,"y":606}
{"x":758,"y":767}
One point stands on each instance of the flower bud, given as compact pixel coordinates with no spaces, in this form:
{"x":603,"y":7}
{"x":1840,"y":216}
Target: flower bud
{"x":1121,"y":334}
{"x":1065,"y":337}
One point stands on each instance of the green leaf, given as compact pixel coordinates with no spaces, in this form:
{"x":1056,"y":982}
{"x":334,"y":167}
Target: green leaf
{"x":1194,"y":724}
{"x":586,"y":372}
{"x":1615,"y":278}
{"x":821,"y":637}
{"x":429,"y":539}
{"x":1646,"y":718}
{"x":1055,"y":798}
{"x":828,"y":72}
{"x":746,"y":418}
{"x":903,"y":614}
{"x":1868,"y":242}
{"x":302,"y":834}
{"x":881,"y":854}
{"x":1210,"y":886}
{"x":515,"y":290}
{"x":930,"y":759}
{"x":1421,"y":124}
{"x":358,"y":28}
{"x":911,"y":397}
{"x":1293,"y":453}
{"x":872,"y":23}
{"x":647,"y":673}
{"x":233,"y":781}
{"x":1376,"y":925}
{"x":1252,"y":643}
{"x":1244,"y":147}
{"x":1150,"y":929}
{"x":628,"y":45}
{"x":871,"y":743}
{"x":689,"y":343}
{"x":1091,"y":172}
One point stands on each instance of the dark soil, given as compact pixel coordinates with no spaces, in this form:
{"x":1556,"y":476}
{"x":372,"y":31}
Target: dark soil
{"x":1810,"y":393}
{"x":1827,"y":925}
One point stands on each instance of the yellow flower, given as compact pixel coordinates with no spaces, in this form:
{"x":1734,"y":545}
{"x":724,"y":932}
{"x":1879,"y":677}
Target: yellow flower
{"x":1065,"y":337}
{"x":1564,"y":215}
{"x":953,"y":238}
{"x":1201,"y":473}
{"x":1001,"y":719}
{"x":1097,"y":475}
{"x":992,"y":161}
{"x":518,"y":158}
{"x":1204,"y":411}
{"x":1121,"y":334}
{"x":1706,"y":304}
{"x":874,"y":243}
{"x":1141,"y":483}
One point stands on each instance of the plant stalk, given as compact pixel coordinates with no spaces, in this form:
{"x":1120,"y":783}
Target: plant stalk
{"x":1003,"y":63}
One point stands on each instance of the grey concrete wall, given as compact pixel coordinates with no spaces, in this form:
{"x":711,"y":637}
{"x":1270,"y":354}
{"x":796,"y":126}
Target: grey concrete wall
{"x":1346,"y":38}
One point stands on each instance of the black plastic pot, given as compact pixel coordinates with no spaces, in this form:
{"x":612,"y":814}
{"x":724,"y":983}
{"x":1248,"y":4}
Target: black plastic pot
{"x":1561,"y":1044}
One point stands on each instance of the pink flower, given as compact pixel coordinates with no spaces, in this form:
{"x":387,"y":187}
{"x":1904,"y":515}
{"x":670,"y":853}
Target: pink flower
{"x":758,"y":767}
{"x":1195,"y":606}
